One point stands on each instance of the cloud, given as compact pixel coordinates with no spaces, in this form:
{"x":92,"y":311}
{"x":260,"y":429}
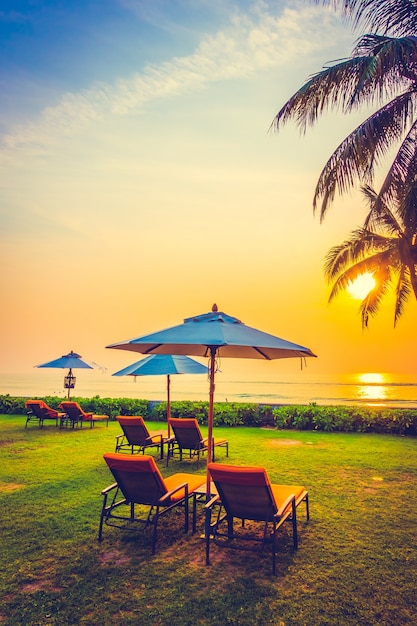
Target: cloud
{"x":252,"y":42}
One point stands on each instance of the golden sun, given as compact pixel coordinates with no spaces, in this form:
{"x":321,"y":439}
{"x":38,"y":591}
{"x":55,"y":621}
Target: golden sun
{"x":361,"y":286}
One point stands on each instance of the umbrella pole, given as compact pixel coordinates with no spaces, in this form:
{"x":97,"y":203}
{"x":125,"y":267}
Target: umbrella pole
{"x":168,"y":404}
{"x":69,"y":385}
{"x":212,"y":367}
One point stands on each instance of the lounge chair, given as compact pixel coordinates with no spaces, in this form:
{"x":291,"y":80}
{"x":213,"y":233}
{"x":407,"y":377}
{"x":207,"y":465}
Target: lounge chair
{"x":136,"y":437}
{"x":187,"y":436}
{"x":39,"y":411}
{"x":139,"y":481}
{"x":74,"y":415}
{"x":246,"y":493}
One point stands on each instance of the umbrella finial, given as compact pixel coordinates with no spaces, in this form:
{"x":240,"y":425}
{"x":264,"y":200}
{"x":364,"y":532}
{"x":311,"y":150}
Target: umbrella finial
{"x":214,"y":308}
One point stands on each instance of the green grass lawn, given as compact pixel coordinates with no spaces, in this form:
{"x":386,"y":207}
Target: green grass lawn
{"x":356,"y":562}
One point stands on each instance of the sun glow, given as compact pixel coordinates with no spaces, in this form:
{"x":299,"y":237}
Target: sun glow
{"x":371,"y":378}
{"x":361,"y":286}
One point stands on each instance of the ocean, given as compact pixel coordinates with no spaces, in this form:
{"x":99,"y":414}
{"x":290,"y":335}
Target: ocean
{"x":370,"y":389}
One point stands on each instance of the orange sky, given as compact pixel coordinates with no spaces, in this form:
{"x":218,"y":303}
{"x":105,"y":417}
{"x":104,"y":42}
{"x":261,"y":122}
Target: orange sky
{"x":123,"y":213}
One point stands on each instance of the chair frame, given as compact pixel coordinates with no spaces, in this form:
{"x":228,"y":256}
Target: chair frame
{"x":39,"y":411}
{"x":265,"y":510}
{"x":77,"y":416}
{"x":187,"y":436}
{"x":136,"y":437}
{"x":117,"y":495}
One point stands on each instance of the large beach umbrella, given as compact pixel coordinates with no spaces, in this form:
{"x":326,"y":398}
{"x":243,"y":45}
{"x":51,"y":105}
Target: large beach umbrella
{"x":70,"y":361}
{"x":164,"y":364}
{"x":214,"y":335}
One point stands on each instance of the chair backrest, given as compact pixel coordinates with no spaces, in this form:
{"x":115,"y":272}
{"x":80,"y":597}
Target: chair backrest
{"x":134,"y":429}
{"x":187,"y":432}
{"x":72,"y":409}
{"x":245,"y":492}
{"x":138,"y":477}
{"x":40,"y":409}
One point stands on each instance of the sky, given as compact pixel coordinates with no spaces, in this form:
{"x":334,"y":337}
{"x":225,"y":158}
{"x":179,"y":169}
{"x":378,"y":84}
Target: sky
{"x":141,"y":182}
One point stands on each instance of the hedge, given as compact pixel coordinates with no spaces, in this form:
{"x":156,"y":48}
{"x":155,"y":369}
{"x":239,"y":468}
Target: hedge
{"x":397,"y":421}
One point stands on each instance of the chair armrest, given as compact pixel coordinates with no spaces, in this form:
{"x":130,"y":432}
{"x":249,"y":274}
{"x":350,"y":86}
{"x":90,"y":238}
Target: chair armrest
{"x":109,"y":488}
{"x":212,"y":502}
{"x":119,"y":437}
{"x":171,"y":493}
{"x":282,"y":509}
{"x":159,"y":437}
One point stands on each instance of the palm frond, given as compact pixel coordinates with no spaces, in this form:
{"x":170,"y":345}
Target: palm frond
{"x":402,"y":293}
{"x":331,"y":88}
{"x":380,"y":218}
{"x":398,"y":17}
{"x":378,"y":68}
{"x":355,"y":158}
{"x":370,"y":306}
{"x":392,"y":65}
{"x":348,"y":253}
{"x":402,"y":173}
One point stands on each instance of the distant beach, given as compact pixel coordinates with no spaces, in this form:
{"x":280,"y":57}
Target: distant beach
{"x":379,"y":390}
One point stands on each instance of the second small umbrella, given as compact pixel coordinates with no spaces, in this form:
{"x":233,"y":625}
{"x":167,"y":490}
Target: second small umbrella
{"x":164,"y":364}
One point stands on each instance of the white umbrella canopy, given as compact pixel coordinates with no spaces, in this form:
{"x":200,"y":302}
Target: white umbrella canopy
{"x":70,"y":361}
{"x":163,"y":364}
{"x":214,"y":334}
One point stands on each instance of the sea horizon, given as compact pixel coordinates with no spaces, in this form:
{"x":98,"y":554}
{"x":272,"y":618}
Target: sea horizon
{"x":371,"y":389}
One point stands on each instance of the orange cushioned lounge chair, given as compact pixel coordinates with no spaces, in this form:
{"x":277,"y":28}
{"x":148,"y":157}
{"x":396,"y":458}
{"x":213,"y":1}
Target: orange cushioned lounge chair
{"x":74,"y":415}
{"x":40,"y":411}
{"x":188,"y":437}
{"x":136,"y":437}
{"x":246,"y":493}
{"x":139,"y":481}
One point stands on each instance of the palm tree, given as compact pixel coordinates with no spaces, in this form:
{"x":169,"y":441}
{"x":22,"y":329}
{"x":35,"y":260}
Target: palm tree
{"x":382,"y":70}
{"x":386,"y":247}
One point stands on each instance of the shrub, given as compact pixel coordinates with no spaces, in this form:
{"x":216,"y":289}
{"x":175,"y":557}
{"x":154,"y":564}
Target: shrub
{"x":300,"y":417}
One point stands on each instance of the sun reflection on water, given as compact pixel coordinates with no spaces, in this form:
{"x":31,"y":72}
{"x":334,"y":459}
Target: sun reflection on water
{"x":371,"y":387}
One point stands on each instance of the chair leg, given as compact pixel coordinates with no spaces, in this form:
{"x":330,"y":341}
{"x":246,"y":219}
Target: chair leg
{"x":186,"y":512}
{"x":294,"y":524}
{"x":194,"y":512}
{"x":207,"y":533}
{"x":155,"y":531}
{"x":100,"y":528}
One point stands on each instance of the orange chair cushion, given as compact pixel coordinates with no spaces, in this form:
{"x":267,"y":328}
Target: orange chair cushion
{"x":194,"y":482}
{"x":281,"y":492}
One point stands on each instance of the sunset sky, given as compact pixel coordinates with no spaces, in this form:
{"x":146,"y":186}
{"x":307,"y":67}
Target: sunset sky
{"x":140,"y":182}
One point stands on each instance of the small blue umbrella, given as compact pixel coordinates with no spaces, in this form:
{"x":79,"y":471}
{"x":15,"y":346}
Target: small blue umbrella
{"x":164,"y":364}
{"x":71,"y":361}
